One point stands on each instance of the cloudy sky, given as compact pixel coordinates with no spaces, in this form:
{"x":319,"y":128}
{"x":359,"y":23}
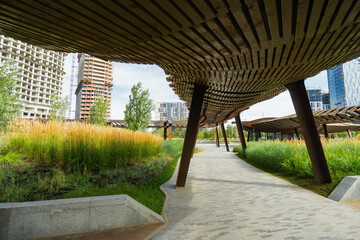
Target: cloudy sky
{"x":153,"y":78}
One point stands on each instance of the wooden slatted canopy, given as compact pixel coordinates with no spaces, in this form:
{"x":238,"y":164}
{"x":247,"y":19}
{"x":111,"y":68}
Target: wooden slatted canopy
{"x":152,"y":124}
{"x":244,"y":51}
{"x":336,"y":116}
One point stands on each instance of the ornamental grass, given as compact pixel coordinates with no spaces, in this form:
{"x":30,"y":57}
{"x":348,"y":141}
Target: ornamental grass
{"x":291,"y":157}
{"x":79,"y":146}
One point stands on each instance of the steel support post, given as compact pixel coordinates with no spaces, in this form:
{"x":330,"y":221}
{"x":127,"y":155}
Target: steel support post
{"x":297,"y":133}
{"x":241,"y":134}
{"x":249,"y":135}
{"x":170,"y":132}
{"x":165,"y":131}
{"x":190,"y":135}
{"x":349,"y":133}
{"x":197,"y":132}
{"x":309,"y":131}
{"x":326,"y":134}
{"x":224,"y":135}
{"x":217,"y":137}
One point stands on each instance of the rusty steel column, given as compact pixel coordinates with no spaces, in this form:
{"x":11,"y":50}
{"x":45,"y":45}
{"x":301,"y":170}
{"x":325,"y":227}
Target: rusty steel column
{"x":217,"y":137}
{"x":349,"y":133}
{"x":240,"y":133}
{"x":309,"y":131}
{"x":165,"y":131}
{"x":248,"y":137}
{"x":297,"y":133}
{"x":197,"y":133}
{"x":170,"y":131}
{"x":326,"y":134}
{"x":190,"y":135}
{"x":224,"y":135}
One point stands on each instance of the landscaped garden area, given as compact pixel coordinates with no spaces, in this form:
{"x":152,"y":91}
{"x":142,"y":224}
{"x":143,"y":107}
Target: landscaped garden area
{"x":290,"y":161}
{"x":56,"y":160}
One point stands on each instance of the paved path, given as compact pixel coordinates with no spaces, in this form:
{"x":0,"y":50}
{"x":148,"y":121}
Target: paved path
{"x":225,"y":198}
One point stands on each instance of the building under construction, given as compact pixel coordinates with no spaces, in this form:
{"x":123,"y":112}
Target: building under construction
{"x":94,"y":80}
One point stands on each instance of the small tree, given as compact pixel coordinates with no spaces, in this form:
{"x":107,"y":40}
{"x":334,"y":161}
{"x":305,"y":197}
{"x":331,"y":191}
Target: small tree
{"x":98,"y":111}
{"x":58,"y":106}
{"x":138,"y":110}
{"x":9,"y":107}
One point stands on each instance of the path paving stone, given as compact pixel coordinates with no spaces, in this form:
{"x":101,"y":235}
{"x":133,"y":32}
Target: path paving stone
{"x":226,"y":198}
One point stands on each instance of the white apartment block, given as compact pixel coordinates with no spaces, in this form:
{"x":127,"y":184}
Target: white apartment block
{"x":40,"y":75}
{"x":171,"y":111}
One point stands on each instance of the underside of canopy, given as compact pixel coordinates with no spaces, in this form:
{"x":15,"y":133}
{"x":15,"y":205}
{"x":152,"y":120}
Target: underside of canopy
{"x":244,"y":51}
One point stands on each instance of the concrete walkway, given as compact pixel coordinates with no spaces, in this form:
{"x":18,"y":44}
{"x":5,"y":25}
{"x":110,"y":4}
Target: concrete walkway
{"x":225,"y":198}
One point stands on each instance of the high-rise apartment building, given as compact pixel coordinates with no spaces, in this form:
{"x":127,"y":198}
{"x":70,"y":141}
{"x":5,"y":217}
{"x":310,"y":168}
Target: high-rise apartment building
{"x":94,"y":80}
{"x":171,"y":111}
{"x":344,"y":84}
{"x":319,"y":100}
{"x":40,"y":75}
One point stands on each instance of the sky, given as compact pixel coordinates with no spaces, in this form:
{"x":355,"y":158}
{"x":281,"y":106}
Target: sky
{"x":153,"y":78}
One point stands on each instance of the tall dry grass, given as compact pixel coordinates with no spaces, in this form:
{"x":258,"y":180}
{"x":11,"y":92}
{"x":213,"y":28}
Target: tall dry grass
{"x":81,"y":146}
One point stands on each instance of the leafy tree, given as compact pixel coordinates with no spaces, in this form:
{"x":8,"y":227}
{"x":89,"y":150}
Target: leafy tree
{"x":98,"y":111}
{"x":9,"y":107}
{"x":58,"y":106}
{"x":200,"y":134}
{"x":138,"y":110}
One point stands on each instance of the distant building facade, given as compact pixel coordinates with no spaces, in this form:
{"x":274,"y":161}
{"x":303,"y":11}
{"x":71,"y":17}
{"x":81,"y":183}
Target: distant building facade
{"x":319,"y":100}
{"x":94,"y":80}
{"x":40,"y":75}
{"x":171,"y":111}
{"x":344,"y":84}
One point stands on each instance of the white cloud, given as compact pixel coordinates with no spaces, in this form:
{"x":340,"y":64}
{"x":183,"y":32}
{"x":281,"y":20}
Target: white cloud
{"x":279,"y":106}
{"x":318,"y":81}
{"x":153,"y":78}
{"x":126,"y":75}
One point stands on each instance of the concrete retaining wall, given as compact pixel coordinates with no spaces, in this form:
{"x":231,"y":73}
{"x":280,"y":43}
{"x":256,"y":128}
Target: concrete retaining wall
{"x":58,"y":217}
{"x":347,"y":190}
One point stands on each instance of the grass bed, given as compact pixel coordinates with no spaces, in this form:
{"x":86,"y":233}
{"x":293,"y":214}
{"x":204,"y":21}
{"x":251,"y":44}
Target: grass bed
{"x":290,"y":161}
{"x":81,"y":146}
{"x":26,"y":176}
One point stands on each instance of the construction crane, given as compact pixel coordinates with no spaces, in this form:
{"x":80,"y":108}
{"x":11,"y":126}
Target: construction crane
{"x":73,"y":81}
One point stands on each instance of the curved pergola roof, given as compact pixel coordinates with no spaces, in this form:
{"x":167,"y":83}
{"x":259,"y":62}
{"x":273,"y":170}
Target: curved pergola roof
{"x":337,"y":119}
{"x":245,"y":51}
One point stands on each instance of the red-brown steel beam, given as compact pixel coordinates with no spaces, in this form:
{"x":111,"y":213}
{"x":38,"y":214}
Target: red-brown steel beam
{"x":241,"y":133}
{"x":170,"y":132}
{"x":224,"y":135}
{"x":190,"y":135}
{"x":309,"y":131}
{"x":297,"y":133}
{"x":217,"y":137}
{"x":326,"y":134}
{"x":196,"y":136}
{"x":165,"y":131}
{"x":349,"y":133}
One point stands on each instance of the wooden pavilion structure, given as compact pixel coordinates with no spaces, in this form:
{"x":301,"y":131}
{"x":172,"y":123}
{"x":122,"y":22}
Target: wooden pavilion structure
{"x":221,"y":56}
{"x":327,"y":121}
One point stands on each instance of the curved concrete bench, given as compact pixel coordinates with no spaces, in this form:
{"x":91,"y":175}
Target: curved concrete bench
{"x":37,"y":219}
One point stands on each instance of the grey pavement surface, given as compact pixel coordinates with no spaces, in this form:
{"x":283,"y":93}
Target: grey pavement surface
{"x":225,"y":198}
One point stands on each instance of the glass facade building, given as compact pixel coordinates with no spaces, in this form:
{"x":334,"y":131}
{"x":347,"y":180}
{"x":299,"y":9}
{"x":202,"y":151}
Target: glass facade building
{"x":319,"y":100}
{"x":344,"y":84}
